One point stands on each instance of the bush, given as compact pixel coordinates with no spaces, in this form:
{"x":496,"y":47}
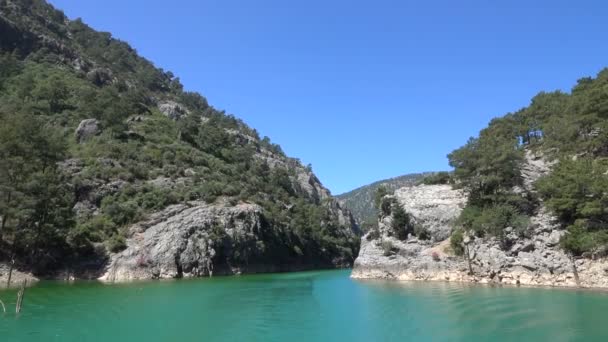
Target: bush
{"x":579,"y":240}
{"x":422,"y":233}
{"x":457,"y":242}
{"x":492,"y":220}
{"x":442,"y":177}
{"x":386,"y":205}
{"x":374,"y":234}
{"x":401,"y":223}
{"x":117,"y":243}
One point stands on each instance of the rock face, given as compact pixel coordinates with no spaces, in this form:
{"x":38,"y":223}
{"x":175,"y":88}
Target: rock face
{"x":201,"y":239}
{"x":86,"y":130}
{"x":172,"y":110}
{"x":432,"y":206}
{"x":532,"y":260}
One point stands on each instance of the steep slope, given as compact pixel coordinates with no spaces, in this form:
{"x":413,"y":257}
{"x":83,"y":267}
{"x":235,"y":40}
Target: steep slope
{"x":533,"y":207}
{"x":361,"y":200}
{"x":101,"y":149}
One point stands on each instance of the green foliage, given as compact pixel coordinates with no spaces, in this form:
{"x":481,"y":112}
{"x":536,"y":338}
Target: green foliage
{"x":381,"y":191}
{"x":117,"y":243}
{"x":560,"y":126}
{"x":35,"y":202}
{"x":492,"y":220}
{"x":488,"y":166}
{"x":421,"y":232}
{"x":442,"y":177}
{"x":457,"y":242}
{"x":576,"y":192}
{"x":401,"y":223}
{"x":386,"y":205}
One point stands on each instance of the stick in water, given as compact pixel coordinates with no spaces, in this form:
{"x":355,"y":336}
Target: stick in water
{"x":20,"y":296}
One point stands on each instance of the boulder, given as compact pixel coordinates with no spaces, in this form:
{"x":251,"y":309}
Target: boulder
{"x":100,"y":76}
{"x":86,"y":130}
{"x":172,"y":110}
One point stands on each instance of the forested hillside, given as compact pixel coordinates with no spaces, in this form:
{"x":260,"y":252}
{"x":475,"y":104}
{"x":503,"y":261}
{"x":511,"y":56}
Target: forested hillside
{"x":94,"y":138}
{"x":570,"y":131}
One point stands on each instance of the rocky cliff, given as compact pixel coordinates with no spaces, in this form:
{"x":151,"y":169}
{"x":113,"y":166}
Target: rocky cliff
{"x":198,"y":239}
{"x":533,"y":258}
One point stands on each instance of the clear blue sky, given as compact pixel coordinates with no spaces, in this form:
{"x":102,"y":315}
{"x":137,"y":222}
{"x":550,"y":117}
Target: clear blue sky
{"x":363,"y":90}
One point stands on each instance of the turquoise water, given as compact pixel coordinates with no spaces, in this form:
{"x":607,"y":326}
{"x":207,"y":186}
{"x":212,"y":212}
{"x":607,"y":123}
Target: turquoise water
{"x":308,"y":306}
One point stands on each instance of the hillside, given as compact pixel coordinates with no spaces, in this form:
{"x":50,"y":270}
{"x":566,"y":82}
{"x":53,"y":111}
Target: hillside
{"x":361,"y":200}
{"x":527,"y":202}
{"x":100,"y":149}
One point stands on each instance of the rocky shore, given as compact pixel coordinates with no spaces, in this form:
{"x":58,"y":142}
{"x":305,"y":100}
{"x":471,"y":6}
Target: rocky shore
{"x":17,"y":277}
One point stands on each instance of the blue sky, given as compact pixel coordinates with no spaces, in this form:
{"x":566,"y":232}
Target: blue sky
{"x":363,"y":90}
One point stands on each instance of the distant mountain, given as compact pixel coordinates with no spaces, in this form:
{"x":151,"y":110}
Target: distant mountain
{"x":361,"y":200}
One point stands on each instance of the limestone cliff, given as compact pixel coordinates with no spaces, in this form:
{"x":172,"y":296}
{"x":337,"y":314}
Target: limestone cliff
{"x":199,"y":239}
{"x":532,"y":259}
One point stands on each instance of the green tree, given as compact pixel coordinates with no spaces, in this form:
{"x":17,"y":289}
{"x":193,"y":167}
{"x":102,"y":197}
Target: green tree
{"x":401,"y":223}
{"x":381,"y":191}
{"x":35,"y":203}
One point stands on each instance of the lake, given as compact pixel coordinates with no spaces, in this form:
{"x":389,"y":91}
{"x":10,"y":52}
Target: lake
{"x":307,"y":306}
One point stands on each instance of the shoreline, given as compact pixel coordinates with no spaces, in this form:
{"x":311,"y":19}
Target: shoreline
{"x":480,"y":283}
{"x":64,"y":277}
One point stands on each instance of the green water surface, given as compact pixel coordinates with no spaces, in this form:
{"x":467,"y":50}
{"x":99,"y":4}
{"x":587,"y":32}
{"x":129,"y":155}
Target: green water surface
{"x":308,"y":306}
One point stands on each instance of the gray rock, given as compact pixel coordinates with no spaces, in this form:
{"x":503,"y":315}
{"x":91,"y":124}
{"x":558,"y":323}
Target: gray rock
{"x":434,"y":207}
{"x":172,"y":110}
{"x":534,"y":260}
{"x":86,"y":130}
{"x":554,"y":238}
{"x":100,"y":76}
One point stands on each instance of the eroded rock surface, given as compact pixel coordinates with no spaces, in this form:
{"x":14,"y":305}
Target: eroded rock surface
{"x":432,"y":206}
{"x":532,"y":260}
{"x":199,"y":239}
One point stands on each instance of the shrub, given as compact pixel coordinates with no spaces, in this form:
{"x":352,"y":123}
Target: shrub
{"x":401,"y":223}
{"x":457,"y":241}
{"x":422,"y":233}
{"x":117,"y":243}
{"x":442,"y":177}
{"x":492,"y":220}
{"x":386,"y":205}
{"x":374,"y":234}
{"x":579,"y":240}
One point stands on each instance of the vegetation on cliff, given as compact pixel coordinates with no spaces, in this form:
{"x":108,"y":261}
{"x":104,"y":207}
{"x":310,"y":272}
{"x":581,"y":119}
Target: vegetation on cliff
{"x":568,"y":128}
{"x":361,"y":200}
{"x":147,"y":144}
